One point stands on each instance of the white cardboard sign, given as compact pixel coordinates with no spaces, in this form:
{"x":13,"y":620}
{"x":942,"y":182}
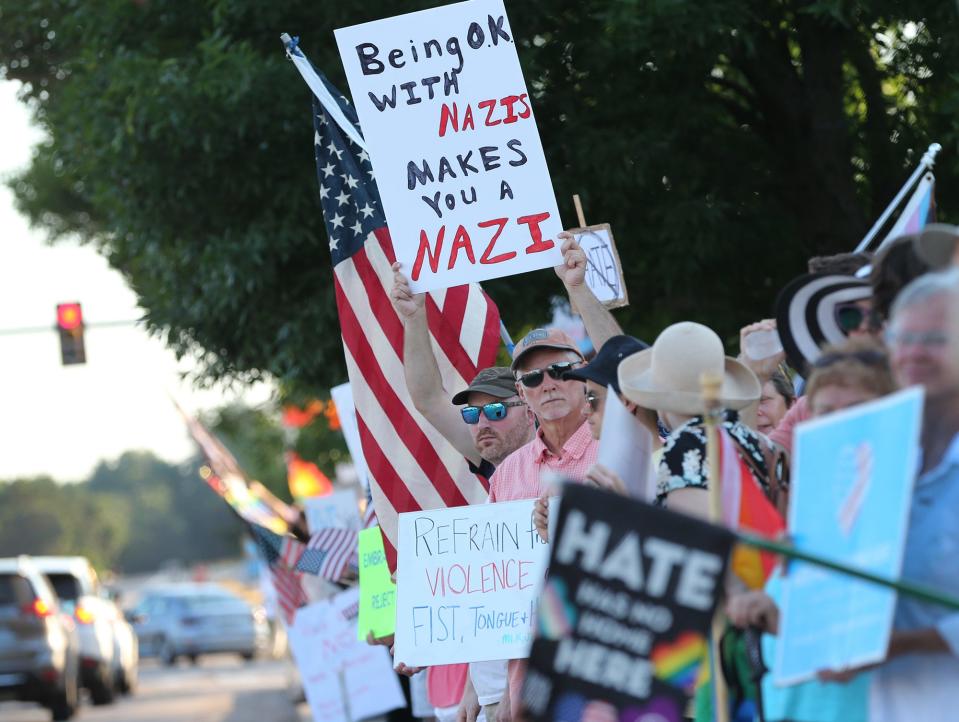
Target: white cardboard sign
{"x":342,"y":396}
{"x":343,"y":678}
{"x":626,"y":447}
{"x":467,"y":582}
{"x":604,"y":270}
{"x":336,"y":510}
{"x":449,"y":124}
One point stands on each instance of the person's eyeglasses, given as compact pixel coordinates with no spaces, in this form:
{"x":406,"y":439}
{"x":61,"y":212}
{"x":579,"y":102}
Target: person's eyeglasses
{"x":532,"y":379}
{"x":869,"y":358}
{"x":927,"y":339}
{"x":494,"y":411}
{"x":593,"y":400}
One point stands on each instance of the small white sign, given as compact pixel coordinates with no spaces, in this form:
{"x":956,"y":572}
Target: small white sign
{"x":342,"y":396}
{"x":626,"y":447}
{"x":343,"y":678}
{"x":467,"y":583}
{"x":337,"y":510}
{"x":604,"y":271}
{"x":457,"y":157}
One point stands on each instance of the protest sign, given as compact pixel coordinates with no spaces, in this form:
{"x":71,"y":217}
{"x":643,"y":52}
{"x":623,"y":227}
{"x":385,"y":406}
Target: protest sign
{"x":343,"y":678}
{"x":466,"y":587}
{"x":604,"y":271}
{"x":626,"y":447}
{"x":377,"y":591}
{"x":342,"y":396}
{"x":624,"y":616}
{"x":457,"y":157}
{"x":849,"y":502}
{"x":337,"y":510}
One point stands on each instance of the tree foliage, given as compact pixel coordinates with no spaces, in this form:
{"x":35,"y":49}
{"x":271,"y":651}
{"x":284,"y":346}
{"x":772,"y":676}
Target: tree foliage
{"x":257,"y":440}
{"x":137,"y":512}
{"x":726,"y":141}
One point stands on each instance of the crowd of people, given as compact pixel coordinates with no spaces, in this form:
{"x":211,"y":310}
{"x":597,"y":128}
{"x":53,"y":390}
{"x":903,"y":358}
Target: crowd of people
{"x":855,"y":328}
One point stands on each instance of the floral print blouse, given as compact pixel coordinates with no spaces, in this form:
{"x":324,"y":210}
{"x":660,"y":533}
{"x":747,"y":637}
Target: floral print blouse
{"x":684,"y":463}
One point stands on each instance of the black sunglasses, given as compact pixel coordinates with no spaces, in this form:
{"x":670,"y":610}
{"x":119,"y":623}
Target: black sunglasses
{"x":851,"y":317}
{"x":532,"y":379}
{"x":494,"y":411}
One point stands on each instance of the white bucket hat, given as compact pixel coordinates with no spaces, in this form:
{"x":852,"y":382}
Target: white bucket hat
{"x":667,"y":376}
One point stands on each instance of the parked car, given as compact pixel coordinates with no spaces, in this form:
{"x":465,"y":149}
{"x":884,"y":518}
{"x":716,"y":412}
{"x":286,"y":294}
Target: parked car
{"x":189,"y":620}
{"x":38,"y":642}
{"x":109,"y":654}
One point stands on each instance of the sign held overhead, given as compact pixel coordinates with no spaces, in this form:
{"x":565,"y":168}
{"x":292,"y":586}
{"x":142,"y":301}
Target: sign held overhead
{"x":453,"y":142}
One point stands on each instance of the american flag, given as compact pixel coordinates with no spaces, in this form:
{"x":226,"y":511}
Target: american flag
{"x":339,"y":548}
{"x":282,"y":555}
{"x":411,"y":466}
{"x":328,"y":553}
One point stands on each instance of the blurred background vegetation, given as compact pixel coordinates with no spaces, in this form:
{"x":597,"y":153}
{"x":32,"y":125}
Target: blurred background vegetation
{"x":725,"y":140}
{"x":137,"y":512}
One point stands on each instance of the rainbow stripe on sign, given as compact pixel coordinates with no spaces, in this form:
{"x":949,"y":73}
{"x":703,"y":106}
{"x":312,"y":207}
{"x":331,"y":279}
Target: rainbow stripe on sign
{"x":677,"y":663}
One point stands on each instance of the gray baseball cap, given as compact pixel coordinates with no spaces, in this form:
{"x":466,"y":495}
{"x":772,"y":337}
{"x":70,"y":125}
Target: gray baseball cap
{"x":496,"y":381}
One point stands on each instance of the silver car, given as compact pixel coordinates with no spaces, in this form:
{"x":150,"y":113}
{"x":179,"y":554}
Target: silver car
{"x":38,"y":642}
{"x":190,"y":620}
{"x":109,"y":657}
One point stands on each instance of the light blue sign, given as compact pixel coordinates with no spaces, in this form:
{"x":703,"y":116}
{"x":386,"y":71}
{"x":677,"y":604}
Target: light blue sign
{"x":852,"y":486}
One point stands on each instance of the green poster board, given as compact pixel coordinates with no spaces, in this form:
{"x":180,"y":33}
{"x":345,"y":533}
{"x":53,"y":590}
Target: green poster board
{"x":377,"y":591}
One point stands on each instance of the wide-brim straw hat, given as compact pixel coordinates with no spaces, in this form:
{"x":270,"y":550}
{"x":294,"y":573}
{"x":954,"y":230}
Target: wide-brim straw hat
{"x":668,"y":376}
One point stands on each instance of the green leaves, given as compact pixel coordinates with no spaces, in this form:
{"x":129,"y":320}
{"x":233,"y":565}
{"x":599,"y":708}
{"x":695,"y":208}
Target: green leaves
{"x":716,"y":137}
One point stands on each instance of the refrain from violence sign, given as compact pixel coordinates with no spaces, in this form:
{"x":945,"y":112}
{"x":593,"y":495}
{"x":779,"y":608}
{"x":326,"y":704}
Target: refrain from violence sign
{"x":466,"y":583}
{"x":453,"y":142}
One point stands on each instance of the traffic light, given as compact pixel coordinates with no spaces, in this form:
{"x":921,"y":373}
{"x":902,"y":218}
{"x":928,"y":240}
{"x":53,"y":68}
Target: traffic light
{"x":70,"y":326}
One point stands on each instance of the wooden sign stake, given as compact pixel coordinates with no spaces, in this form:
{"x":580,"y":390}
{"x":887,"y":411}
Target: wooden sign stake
{"x":579,"y":211}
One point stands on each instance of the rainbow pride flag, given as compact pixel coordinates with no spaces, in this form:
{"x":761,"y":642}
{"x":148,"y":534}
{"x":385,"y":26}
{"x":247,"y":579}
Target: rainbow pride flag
{"x":678,"y":663}
{"x":746,"y":507}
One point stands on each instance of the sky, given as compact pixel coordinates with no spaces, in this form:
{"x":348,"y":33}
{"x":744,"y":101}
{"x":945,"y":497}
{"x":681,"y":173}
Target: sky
{"x":62,"y":420}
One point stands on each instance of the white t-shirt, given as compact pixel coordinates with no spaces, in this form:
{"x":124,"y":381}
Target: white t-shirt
{"x":489,"y":680}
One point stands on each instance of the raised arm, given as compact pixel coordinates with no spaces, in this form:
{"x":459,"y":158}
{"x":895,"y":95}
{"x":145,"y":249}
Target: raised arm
{"x":599,"y":322}
{"x":423,"y":378}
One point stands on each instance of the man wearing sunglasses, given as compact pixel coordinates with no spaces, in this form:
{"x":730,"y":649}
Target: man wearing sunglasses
{"x":491,"y":423}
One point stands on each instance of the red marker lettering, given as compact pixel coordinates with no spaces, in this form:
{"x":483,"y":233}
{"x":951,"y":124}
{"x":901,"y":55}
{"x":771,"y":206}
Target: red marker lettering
{"x":485,"y":258}
{"x":536,"y":233}
{"x":425,"y":250}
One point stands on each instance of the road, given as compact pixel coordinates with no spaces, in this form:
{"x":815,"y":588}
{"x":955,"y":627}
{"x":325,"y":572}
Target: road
{"x":219,"y":689}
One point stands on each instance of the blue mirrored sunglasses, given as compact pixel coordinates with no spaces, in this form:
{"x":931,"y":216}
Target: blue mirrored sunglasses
{"x":494,"y":411}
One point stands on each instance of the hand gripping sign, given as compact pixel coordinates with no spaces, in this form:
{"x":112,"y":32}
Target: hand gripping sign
{"x":453,"y":142}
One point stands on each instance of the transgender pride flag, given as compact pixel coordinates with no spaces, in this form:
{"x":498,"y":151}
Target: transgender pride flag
{"x":920,"y":210}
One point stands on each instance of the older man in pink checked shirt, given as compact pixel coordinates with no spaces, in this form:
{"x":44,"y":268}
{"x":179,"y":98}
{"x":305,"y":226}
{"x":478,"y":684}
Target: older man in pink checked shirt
{"x":563,"y":447}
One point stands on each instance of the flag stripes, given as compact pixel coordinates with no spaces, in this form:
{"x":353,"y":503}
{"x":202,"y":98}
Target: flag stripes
{"x":410,"y":465}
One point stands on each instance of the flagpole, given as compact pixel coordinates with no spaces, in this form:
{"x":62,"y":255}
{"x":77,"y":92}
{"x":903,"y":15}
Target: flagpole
{"x":927,"y":162}
{"x":905,"y":587}
{"x":319,"y":89}
{"x":711,"y":384}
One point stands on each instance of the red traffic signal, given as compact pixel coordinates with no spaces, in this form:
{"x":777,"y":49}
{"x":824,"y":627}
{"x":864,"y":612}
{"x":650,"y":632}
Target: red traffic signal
{"x":69,"y":316}
{"x":70,"y":326}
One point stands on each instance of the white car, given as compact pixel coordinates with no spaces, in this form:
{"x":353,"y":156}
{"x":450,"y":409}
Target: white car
{"x":109,"y":655}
